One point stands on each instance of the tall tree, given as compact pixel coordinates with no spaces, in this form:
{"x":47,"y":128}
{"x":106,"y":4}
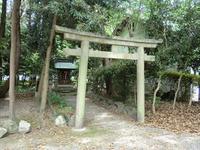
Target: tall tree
{"x":2,"y":31}
{"x":3,"y":19}
{"x":46,"y":71}
{"x":15,"y":47}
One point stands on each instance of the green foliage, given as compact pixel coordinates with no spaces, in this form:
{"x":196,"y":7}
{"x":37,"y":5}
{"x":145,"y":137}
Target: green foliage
{"x":32,"y":63}
{"x":158,"y":100}
{"x":116,"y":68}
{"x":122,"y":74}
{"x":176,"y":22}
{"x":1,"y":83}
{"x":3,"y":45}
{"x":59,"y":105}
{"x":60,"y":45}
{"x":64,"y":110}
{"x":185,"y":76}
{"x":55,"y":99}
{"x":24,"y":89}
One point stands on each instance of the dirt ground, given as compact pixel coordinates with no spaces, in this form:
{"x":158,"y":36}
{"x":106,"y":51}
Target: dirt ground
{"x":104,"y":131}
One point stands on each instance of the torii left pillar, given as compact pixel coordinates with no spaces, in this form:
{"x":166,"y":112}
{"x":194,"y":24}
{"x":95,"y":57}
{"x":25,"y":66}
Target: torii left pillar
{"x":82,"y":79}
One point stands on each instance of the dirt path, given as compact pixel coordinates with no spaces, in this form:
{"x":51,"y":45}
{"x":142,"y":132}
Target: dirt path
{"x":104,"y":130}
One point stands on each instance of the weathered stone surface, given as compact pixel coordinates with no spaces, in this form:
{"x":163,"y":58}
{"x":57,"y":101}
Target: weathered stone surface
{"x":60,"y":121}
{"x":10,"y":125}
{"x":3,"y":131}
{"x":24,"y":126}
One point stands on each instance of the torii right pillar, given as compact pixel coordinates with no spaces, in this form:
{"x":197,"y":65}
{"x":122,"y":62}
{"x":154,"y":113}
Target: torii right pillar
{"x":140,"y":85}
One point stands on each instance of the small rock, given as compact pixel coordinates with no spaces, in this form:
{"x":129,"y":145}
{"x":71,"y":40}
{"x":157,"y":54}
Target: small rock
{"x":9,"y":125}
{"x":3,"y":131}
{"x":24,"y":126}
{"x":60,"y":121}
{"x":71,"y":121}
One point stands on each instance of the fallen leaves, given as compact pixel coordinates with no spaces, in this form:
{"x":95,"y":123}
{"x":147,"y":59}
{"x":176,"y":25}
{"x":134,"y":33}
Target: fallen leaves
{"x":182,"y":119}
{"x":21,"y":96}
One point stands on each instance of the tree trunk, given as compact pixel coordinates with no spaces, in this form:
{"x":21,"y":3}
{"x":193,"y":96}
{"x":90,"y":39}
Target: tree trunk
{"x":2,"y":32}
{"x":46,"y":72}
{"x":3,"y":19}
{"x":178,"y":88}
{"x":18,"y":48}
{"x":155,"y":93}
{"x":191,"y":92}
{"x":1,"y":68}
{"x":39,"y":88}
{"x":4,"y":89}
{"x":108,"y":79}
{"x":14,"y":48}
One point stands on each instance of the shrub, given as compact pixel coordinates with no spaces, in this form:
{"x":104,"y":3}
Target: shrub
{"x":55,"y":99}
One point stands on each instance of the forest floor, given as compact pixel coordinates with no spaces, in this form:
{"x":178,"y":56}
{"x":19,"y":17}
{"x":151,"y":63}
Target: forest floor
{"x":179,"y":120}
{"x":104,"y":130}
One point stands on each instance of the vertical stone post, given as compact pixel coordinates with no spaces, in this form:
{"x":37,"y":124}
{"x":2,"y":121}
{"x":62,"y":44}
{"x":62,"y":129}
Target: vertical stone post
{"x":82,"y":79}
{"x":140,"y":85}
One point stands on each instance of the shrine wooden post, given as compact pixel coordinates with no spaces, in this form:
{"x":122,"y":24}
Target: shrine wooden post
{"x":84,"y":53}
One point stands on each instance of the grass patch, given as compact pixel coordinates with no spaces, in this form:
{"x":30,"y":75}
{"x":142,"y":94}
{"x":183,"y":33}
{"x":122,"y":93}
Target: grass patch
{"x":92,"y":132}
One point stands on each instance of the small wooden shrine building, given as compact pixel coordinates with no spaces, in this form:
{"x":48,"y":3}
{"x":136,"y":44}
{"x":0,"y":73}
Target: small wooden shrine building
{"x":64,"y":69}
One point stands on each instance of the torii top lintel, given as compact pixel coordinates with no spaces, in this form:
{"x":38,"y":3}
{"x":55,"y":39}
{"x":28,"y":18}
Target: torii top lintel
{"x":71,"y":34}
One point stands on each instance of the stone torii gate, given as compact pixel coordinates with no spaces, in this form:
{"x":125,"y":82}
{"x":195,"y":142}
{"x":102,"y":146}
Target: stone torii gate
{"x":84,"y":52}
